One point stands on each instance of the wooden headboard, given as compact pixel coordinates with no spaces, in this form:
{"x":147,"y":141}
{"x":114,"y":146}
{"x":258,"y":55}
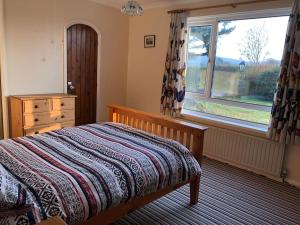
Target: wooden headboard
{"x":188,"y":134}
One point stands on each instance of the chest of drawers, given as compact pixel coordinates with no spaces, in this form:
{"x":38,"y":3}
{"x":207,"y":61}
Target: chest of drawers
{"x":35,"y":114}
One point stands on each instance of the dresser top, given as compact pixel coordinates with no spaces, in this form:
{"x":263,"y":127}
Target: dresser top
{"x":43,"y":96}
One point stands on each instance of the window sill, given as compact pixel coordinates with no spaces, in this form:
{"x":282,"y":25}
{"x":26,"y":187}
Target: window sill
{"x":253,"y":129}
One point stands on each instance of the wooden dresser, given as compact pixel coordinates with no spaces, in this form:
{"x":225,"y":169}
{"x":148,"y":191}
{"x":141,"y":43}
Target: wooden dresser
{"x":35,"y":114}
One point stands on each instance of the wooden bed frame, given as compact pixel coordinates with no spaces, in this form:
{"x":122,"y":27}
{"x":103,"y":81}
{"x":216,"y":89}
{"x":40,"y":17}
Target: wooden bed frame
{"x":190,"y":135}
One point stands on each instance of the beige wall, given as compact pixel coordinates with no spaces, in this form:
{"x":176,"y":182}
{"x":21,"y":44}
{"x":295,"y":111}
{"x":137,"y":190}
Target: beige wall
{"x":146,"y":66}
{"x":3,"y":67}
{"x":292,"y":164}
{"x":35,"y":32}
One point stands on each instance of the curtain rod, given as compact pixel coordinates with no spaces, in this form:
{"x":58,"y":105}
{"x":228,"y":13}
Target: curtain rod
{"x":233,"y":5}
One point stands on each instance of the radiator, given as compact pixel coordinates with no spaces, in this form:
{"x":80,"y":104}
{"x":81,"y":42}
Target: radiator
{"x":251,"y":153}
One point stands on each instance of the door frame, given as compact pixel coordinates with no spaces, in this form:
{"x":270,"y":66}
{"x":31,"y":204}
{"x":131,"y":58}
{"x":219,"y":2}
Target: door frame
{"x":65,"y":61}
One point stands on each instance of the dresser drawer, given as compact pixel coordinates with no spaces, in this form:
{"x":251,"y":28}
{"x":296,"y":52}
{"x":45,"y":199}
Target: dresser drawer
{"x":60,"y":104}
{"x":48,"y":128}
{"x":37,"y":119}
{"x":30,"y":114}
{"x":34,"y":106}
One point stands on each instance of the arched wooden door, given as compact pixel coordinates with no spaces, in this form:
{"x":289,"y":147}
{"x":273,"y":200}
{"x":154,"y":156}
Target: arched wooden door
{"x":82,"y":54}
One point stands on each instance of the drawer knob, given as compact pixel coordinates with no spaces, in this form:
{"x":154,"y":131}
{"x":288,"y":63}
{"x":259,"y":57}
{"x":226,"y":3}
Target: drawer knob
{"x":36,"y":106}
{"x":36,"y":120}
{"x":36,"y":132}
{"x":62,"y":104}
{"x":62,"y":116}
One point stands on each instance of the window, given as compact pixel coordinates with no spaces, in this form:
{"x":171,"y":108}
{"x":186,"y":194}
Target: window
{"x":198,"y":59}
{"x":233,"y":65}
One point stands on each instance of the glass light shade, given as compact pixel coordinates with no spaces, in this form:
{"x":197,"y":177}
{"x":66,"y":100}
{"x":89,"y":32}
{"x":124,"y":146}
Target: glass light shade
{"x":132,"y":8}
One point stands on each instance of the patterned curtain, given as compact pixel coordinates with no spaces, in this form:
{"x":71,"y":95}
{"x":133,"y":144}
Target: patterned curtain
{"x":173,"y":88}
{"x":285,"y":122}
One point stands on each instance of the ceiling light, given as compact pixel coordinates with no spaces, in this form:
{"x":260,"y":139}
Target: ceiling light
{"x":132,"y":8}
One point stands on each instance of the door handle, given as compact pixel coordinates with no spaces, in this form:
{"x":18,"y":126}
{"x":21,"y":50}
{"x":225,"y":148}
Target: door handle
{"x":71,"y":86}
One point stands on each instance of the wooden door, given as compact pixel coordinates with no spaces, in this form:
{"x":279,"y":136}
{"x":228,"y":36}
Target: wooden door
{"x":82,"y":49}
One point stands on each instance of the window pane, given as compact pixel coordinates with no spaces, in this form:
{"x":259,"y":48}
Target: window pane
{"x":248,"y":59}
{"x":205,"y":105}
{"x":197,"y":58}
{"x":246,"y":67}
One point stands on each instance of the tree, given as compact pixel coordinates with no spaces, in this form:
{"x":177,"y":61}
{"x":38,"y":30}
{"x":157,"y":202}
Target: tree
{"x":226,"y":29}
{"x":253,"y":45}
{"x":203,"y":34}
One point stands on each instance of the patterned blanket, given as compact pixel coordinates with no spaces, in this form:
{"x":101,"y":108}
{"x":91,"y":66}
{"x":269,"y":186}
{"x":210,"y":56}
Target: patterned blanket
{"x":78,"y":172}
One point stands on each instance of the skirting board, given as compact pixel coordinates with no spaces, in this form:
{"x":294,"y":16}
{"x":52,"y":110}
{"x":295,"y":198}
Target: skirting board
{"x":293,"y":182}
{"x":244,"y":168}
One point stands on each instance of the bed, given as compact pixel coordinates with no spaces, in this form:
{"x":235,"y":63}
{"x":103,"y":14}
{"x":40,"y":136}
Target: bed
{"x":97,"y":173}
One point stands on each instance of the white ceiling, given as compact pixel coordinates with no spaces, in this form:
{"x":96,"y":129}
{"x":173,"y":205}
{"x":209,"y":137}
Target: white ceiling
{"x":146,"y":3}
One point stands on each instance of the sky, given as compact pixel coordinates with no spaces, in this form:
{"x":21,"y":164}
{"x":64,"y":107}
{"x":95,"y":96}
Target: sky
{"x":228,"y":45}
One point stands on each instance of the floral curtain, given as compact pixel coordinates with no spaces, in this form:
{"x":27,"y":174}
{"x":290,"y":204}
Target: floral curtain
{"x":285,"y":121}
{"x":173,"y":88}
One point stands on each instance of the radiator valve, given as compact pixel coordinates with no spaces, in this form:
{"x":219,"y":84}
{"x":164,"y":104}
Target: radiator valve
{"x":284,"y":174}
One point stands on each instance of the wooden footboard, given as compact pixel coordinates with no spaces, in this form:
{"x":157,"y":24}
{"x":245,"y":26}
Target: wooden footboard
{"x":188,"y":134}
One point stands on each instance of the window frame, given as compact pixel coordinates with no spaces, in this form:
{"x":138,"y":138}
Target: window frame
{"x":214,"y":22}
{"x":211,"y":55}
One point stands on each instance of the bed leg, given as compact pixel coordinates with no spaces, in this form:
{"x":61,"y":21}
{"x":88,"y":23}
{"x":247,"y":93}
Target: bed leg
{"x":194,"y":190}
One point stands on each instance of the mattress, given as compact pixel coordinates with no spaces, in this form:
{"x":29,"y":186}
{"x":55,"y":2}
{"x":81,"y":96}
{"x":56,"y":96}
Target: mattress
{"x":76,"y":173}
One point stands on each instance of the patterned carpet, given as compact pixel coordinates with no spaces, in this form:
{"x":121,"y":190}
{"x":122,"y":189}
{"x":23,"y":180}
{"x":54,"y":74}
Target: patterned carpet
{"x":228,"y":196}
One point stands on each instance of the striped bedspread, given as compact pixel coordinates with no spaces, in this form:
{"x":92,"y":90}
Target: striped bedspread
{"x":78,"y":172}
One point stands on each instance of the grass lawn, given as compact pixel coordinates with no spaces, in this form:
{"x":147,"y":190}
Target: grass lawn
{"x":251,"y":115}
